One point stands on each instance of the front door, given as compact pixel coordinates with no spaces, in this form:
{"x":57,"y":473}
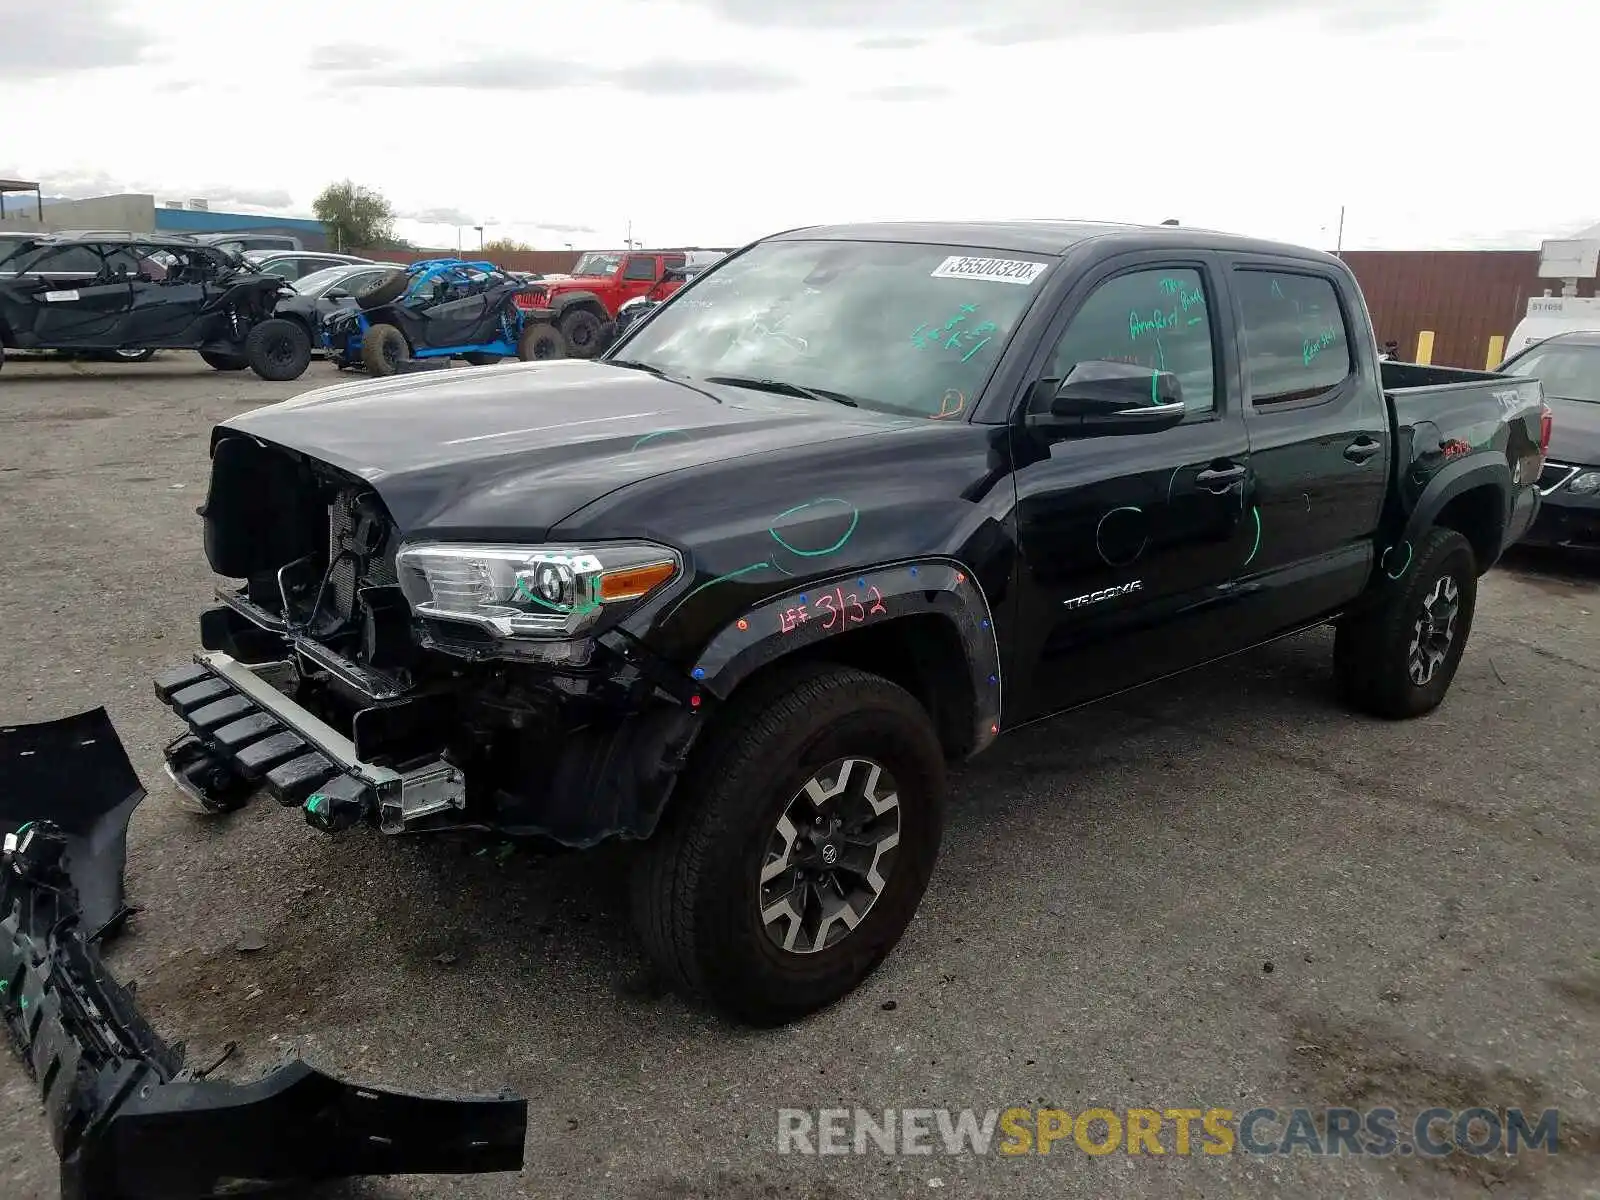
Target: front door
{"x":1129,"y":542}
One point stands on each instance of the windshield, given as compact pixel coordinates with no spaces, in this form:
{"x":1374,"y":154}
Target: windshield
{"x":318,"y":282}
{"x":598,"y":264}
{"x":1566,"y":370}
{"x":914,"y":329}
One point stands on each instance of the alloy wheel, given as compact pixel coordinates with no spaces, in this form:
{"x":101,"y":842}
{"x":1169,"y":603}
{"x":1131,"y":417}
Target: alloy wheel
{"x":1434,"y":631}
{"x":829,"y":857}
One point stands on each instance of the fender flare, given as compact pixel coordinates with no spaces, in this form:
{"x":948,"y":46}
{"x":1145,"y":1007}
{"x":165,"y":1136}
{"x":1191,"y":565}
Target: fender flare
{"x":814,"y":612}
{"x":1455,"y":479}
{"x":569,"y":300}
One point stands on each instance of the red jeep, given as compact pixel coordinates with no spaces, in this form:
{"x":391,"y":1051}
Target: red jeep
{"x":584,"y":304}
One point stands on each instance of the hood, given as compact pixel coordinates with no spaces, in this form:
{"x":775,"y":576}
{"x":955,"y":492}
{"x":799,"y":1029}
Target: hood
{"x":507,"y":451}
{"x":1575,"y":434}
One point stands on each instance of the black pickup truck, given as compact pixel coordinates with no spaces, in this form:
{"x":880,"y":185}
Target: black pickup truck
{"x":851,"y":504}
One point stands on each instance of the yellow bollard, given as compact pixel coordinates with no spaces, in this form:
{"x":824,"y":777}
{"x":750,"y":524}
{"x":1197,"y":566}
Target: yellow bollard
{"x":1497,"y":351}
{"x":1425,"y":346}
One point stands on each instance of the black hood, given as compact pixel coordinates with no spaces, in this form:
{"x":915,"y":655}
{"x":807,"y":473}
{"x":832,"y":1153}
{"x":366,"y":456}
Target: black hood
{"x":497,"y":451}
{"x":1575,"y":435}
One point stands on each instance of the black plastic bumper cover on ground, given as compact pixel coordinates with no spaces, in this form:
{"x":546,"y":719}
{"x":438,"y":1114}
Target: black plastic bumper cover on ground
{"x":128,"y":1122}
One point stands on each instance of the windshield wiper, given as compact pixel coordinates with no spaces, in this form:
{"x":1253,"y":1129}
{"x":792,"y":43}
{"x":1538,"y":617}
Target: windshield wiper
{"x":783,"y":388}
{"x":634,"y":364}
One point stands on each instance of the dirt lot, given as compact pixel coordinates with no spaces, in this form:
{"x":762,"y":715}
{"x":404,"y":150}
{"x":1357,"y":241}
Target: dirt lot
{"x":1219,"y":892}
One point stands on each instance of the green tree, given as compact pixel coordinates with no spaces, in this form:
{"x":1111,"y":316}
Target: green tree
{"x":354,"y":216}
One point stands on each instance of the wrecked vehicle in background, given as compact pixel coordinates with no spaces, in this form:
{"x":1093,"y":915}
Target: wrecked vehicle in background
{"x":439,"y":309}
{"x":128,"y":1120}
{"x":743,"y":588}
{"x":129,"y":295}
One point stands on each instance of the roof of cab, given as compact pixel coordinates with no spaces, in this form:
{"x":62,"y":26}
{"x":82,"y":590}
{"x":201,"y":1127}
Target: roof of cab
{"x":1042,"y":236}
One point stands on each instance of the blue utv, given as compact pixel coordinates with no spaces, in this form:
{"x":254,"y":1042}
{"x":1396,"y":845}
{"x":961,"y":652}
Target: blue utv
{"x":439,"y":309}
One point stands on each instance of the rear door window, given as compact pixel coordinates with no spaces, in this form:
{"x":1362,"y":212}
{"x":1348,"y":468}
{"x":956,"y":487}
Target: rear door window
{"x":1294,"y":336}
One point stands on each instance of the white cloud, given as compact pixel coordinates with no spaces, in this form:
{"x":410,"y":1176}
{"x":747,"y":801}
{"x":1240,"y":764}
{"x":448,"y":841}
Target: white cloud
{"x":715,"y":121}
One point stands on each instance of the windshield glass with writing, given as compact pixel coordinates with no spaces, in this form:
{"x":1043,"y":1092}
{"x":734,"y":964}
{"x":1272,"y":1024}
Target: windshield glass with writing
{"x":598,"y":264}
{"x":1569,"y":372}
{"x":904,"y":328}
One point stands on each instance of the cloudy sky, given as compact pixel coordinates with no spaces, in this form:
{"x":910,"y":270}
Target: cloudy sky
{"x":715,"y":121}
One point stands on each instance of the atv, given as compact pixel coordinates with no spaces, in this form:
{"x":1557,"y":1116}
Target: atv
{"x":435,"y":310}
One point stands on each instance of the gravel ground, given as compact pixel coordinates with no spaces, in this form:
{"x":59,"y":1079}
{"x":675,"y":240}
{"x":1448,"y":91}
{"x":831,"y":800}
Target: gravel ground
{"x":1227,"y":892}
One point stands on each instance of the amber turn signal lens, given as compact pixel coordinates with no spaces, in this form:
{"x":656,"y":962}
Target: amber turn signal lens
{"x":633,"y":582}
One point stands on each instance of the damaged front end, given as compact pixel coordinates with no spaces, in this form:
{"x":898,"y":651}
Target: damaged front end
{"x":127,"y":1119}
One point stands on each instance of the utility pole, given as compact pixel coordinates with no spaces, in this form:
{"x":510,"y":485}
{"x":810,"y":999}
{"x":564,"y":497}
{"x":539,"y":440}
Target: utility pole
{"x":1339,"y":243}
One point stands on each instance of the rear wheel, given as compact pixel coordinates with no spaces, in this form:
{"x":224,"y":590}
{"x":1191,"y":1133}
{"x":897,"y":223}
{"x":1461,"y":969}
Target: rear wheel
{"x":224,"y":362}
{"x":279,"y":350}
{"x":1399,"y":659}
{"x":581,"y":330}
{"x":800,"y":848}
{"x":383,"y":349}
{"x":539,"y":343}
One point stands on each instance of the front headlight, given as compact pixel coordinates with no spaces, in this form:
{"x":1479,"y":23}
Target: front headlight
{"x":1584,"y":483}
{"x":531,"y":592}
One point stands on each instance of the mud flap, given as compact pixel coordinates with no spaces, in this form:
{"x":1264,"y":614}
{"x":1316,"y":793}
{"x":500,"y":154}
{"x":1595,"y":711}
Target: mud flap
{"x":128,"y":1122}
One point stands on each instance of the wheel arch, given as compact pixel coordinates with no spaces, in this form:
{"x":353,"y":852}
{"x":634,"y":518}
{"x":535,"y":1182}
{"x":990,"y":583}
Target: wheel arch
{"x":924,"y":624}
{"x":568,"y":301}
{"x":1473,"y":499}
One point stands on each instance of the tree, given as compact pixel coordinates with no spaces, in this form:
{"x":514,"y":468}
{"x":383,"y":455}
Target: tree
{"x":505,"y":246}
{"x":355,"y":216}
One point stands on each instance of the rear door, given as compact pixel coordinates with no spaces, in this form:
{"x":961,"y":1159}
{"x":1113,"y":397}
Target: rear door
{"x":1319,"y":439}
{"x":80,"y":299}
{"x":1130,"y":543}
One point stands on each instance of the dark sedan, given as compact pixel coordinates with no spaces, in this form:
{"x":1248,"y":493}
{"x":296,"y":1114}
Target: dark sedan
{"x":1568,"y":365}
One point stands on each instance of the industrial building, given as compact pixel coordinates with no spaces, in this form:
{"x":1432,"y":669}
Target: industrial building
{"x":139,"y":212}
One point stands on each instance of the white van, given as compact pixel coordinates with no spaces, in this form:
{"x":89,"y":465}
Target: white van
{"x":1550,"y":315}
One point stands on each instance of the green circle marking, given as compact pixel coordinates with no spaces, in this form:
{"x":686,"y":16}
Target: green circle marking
{"x":855,"y":519}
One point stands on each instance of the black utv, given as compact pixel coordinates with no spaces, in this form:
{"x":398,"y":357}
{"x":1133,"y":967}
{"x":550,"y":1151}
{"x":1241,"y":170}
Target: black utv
{"x":131,"y":292}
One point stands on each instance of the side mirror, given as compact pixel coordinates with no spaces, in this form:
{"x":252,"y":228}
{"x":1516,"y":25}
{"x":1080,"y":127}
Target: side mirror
{"x":336,"y":293}
{"x":1107,"y":399}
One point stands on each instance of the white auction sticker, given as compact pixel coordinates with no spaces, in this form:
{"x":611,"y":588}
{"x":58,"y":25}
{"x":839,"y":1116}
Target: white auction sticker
{"x":994,"y":270}
{"x":68,"y":295}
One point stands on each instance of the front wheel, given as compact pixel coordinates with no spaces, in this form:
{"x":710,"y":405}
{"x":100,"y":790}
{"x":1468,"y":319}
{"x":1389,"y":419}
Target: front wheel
{"x":383,"y":349}
{"x":583,"y":333}
{"x":1398,"y":660}
{"x":797,"y":854}
{"x":224,"y":362}
{"x":133,"y":356}
{"x":539,"y":343}
{"x":279,"y":350}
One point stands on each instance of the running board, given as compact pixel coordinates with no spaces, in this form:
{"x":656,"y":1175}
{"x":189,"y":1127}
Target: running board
{"x":127,"y":1120}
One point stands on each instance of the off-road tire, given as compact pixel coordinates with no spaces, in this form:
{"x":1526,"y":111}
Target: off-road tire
{"x":580,"y":332}
{"x":278,"y":349}
{"x":224,"y":362}
{"x":385,"y":291}
{"x":696,"y":888}
{"x":383,"y":348}
{"x":1372,"y":651}
{"x":540,"y":343}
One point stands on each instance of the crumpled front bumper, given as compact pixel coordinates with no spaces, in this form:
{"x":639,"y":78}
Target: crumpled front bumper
{"x":128,"y":1121}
